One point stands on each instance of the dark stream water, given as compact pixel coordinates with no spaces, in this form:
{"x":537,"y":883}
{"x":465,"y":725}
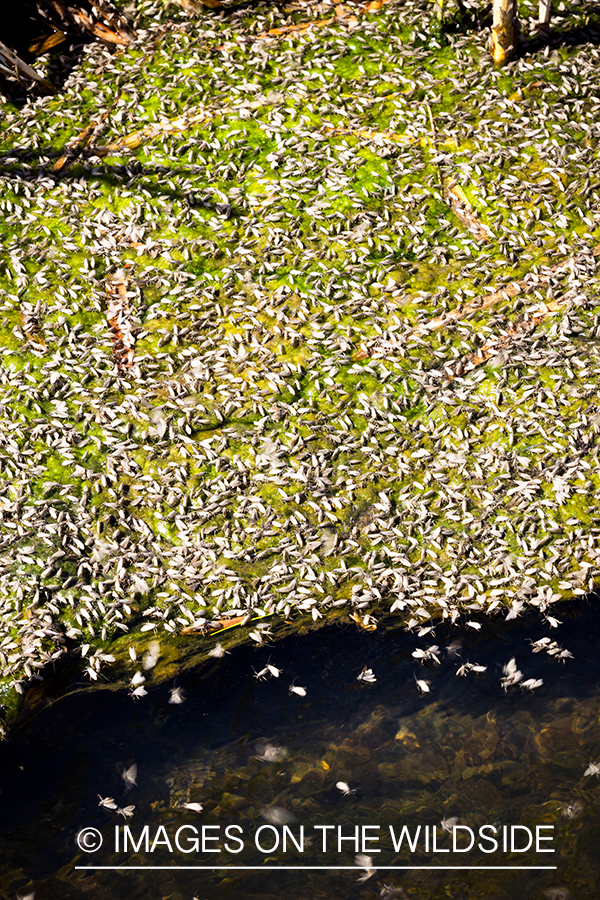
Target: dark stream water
{"x":257,"y":757}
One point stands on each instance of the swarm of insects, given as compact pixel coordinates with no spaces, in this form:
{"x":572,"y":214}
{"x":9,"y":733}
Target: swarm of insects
{"x":230,"y":388}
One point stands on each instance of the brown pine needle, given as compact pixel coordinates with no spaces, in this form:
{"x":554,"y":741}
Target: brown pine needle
{"x":106,"y":22}
{"x":45,"y":43}
{"x":529,"y":322}
{"x":196,"y":6}
{"x":371,"y":135}
{"x":460,"y":206}
{"x":119,"y":319}
{"x":467,"y":310}
{"x":342,"y":13}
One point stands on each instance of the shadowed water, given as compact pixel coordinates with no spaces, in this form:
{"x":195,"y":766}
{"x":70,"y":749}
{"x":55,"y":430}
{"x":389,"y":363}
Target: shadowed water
{"x":252,"y":754}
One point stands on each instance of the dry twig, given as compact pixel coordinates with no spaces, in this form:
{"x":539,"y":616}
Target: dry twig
{"x":13,"y":66}
{"x":104,"y":20}
{"x":119,"y":319}
{"x":467,"y":310}
{"x":460,"y":206}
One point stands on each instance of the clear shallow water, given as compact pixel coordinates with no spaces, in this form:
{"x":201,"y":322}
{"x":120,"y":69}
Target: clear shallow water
{"x":254,"y":755}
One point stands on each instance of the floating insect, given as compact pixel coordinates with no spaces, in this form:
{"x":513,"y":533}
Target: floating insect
{"x":468,"y":667}
{"x":431,"y":654}
{"x":453,"y":649}
{"x":345,"y":788}
{"x":151,"y":656}
{"x":543,"y":644}
{"x":138,"y":692}
{"x":273,"y":671}
{"x":277,"y":815}
{"x":366,"y":676}
{"x":107,"y":802}
{"x":365,"y":862}
{"x":390,"y":890}
{"x":532,"y":684}
{"x":571,"y":810}
{"x":138,"y":679}
{"x":217,"y":652}
{"x":126,"y":811}
{"x":194,"y":807}
{"x":448,"y":823}
{"x":366,"y":622}
{"x":428,"y":629}
{"x":515,"y":610}
{"x":557,"y":893}
{"x":422,"y":685}
{"x":271,"y":753}
{"x":296,"y":689}
{"x":176,"y":696}
{"x":512,"y":675}
{"x":593,"y":769}
{"x":129,"y":775}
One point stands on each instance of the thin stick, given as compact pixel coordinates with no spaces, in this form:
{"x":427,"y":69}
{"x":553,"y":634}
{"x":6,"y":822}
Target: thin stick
{"x":467,"y":310}
{"x":504,"y":34}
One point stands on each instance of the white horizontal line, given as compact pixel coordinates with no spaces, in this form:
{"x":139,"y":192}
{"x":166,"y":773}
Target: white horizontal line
{"x":326,"y":868}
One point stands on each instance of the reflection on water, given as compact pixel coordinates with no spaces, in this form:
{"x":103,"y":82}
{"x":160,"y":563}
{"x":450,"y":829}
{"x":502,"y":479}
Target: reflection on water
{"x":349,"y":753}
